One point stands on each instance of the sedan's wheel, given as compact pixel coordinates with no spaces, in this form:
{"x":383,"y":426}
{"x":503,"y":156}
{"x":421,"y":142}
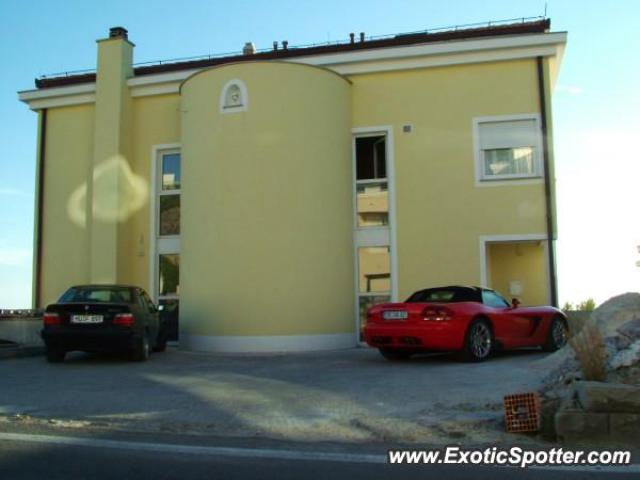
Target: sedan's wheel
{"x":161,"y":342}
{"x":142,"y":349}
{"x":478,"y":342}
{"x":557,"y":336}
{"x":55,"y":355}
{"x":394,"y":354}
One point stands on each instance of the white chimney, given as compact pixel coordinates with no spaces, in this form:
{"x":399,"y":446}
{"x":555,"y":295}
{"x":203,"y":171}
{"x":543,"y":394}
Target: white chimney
{"x":249,"y":48}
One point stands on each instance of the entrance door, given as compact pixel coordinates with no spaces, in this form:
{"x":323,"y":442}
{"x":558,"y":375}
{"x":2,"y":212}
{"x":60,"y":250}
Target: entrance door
{"x":167,"y":237}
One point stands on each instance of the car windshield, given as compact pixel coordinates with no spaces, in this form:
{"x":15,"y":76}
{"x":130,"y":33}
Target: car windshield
{"x":444,"y":295}
{"x":97,"y":295}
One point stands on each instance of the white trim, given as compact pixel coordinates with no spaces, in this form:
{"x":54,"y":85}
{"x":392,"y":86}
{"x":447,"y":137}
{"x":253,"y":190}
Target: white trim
{"x":437,"y":54}
{"x":375,"y":235}
{"x":439,"y":61}
{"x":507,"y":180}
{"x":59,"y":96}
{"x":438,"y":48}
{"x":484,"y":240}
{"x":153,"y":248}
{"x":243,"y":107}
{"x":268,"y":343}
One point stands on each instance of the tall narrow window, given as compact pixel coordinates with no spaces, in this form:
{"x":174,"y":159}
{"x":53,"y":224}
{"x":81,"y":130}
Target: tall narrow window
{"x":372,"y":234}
{"x":168,"y":190}
{"x":372,"y":192}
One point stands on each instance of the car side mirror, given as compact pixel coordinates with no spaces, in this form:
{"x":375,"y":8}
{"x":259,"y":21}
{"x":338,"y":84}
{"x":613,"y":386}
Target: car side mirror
{"x":515,"y":303}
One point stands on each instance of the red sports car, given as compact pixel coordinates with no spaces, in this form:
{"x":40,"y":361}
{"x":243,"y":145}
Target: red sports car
{"x":471,"y":320}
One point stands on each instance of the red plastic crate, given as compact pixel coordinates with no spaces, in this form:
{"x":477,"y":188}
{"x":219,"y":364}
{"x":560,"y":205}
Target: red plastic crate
{"x":522,"y":412}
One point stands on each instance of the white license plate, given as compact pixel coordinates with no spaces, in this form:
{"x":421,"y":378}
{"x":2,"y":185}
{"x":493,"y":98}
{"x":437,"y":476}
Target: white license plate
{"x":86,"y":318}
{"x":395,"y":315}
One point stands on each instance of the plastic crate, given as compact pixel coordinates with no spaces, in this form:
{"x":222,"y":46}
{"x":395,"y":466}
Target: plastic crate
{"x":522,"y":412}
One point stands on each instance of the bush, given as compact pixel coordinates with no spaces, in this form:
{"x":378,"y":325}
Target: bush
{"x":591,"y":353}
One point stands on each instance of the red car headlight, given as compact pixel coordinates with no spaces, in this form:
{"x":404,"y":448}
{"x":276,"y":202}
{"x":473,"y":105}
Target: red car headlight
{"x":437,"y":314}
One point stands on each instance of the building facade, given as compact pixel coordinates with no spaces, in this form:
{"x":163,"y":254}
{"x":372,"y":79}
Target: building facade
{"x":268,"y":198}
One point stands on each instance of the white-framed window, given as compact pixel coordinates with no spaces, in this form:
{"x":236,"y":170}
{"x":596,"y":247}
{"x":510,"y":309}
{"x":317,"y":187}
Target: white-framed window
{"x":234,"y":97}
{"x":372,"y":184}
{"x":507,"y":147}
{"x":374,"y":226}
{"x":168,"y":190}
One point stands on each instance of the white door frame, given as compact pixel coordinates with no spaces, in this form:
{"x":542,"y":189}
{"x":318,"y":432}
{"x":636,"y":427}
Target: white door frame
{"x":173,"y":243}
{"x":375,"y":237}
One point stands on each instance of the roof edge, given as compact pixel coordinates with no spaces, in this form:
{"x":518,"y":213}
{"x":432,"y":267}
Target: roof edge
{"x":538,"y":26}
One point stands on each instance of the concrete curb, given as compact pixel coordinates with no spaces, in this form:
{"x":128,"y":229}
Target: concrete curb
{"x":21,"y":351}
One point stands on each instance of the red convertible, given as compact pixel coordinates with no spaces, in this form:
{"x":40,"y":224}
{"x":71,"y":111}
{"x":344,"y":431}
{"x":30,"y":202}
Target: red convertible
{"x":472,"y":320}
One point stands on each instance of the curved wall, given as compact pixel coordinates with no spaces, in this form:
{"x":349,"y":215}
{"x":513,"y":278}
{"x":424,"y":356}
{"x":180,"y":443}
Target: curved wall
{"x":266,"y":227}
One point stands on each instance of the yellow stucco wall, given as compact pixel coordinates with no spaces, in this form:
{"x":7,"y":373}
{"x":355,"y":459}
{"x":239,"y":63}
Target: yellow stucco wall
{"x":65,"y":240}
{"x":440,"y":211}
{"x":266,"y":205}
{"x":155,"y":121}
{"x":523,"y":262}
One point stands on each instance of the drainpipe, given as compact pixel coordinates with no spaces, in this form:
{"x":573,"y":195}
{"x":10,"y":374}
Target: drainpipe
{"x":37,"y":248}
{"x":553,"y":282}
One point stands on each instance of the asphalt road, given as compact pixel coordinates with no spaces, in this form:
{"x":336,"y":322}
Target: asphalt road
{"x":50,"y":454}
{"x":351,"y":395}
{"x":35,"y":455}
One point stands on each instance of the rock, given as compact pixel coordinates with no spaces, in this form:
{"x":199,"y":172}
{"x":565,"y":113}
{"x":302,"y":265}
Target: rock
{"x":608,"y":397}
{"x":631,"y":329}
{"x":577,"y":425}
{"x":615,"y":313}
{"x":625,"y":427}
{"x":626,"y":358}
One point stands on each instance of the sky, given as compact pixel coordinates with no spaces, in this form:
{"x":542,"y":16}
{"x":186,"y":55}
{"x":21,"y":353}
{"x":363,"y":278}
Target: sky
{"x":596,"y":109}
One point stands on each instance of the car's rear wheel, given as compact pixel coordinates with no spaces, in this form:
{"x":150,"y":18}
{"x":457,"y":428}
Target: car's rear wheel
{"x":55,"y":355}
{"x":161,"y":342}
{"x":141,"y":349}
{"x":478,"y":342}
{"x":395,"y":355}
{"x":557,"y":336}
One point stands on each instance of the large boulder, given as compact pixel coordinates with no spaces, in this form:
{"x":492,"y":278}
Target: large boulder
{"x":618,"y":322}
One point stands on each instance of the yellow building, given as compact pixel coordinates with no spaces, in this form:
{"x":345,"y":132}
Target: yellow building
{"x":274,"y":195}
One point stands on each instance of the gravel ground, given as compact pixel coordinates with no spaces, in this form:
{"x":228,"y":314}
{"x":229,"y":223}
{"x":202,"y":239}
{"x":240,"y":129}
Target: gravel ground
{"x":351,"y":395}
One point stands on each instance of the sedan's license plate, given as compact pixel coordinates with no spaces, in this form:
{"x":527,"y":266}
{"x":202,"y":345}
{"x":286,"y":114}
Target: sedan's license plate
{"x":86,"y":318}
{"x":394,"y":315}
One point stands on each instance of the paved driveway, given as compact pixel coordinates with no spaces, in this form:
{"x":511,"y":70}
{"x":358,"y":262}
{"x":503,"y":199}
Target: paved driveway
{"x":352,"y":395}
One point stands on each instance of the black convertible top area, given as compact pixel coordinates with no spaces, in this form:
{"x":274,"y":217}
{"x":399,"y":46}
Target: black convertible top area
{"x":451,"y":294}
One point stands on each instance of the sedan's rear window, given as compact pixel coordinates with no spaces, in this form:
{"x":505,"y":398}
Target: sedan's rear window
{"x":444,"y":295}
{"x":97,"y":295}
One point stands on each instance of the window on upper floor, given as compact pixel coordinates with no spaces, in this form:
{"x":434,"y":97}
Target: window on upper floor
{"x":507,"y":147}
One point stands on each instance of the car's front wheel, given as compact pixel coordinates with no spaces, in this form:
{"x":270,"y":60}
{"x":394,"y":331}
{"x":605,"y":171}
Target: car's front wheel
{"x":55,"y":355}
{"x":557,"y":336}
{"x":395,"y":354}
{"x":478,"y":341}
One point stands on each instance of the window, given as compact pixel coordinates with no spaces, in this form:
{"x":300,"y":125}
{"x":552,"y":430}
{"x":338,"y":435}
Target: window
{"x":169,"y":270}
{"x":233,"y":97}
{"x":508,"y":147}
{"x":492,"y":299}
{"x":169,"y":194}
{"x":445,"y":295}
{"x":97,"y":295}
{"x":372,"y":192}
{"x":374,"y":270}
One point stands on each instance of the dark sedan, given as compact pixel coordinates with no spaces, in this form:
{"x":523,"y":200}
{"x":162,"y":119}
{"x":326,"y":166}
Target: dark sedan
{"x":95,"y":318}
